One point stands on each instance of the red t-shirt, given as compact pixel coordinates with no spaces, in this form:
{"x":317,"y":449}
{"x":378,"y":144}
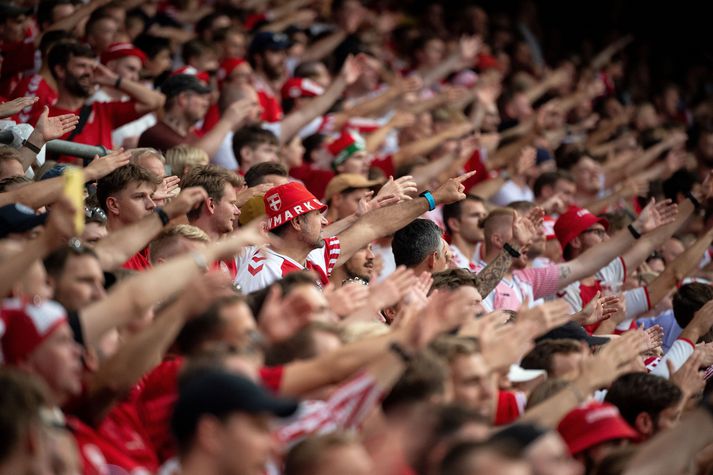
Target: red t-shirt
{"x":157,"y":394}
{"x":315,"y":180}
{"x":211,"y":118}
{"x":385,"y":164}
{"x":29,"y":86}
{"x":508,"y":409}
{"x":475,"y":163}
{"x":139,"y":261}
{"x":18,"y":57}
{"x":271,"y":107}
{"x":104,"y":118}
{"x":122,"y":428}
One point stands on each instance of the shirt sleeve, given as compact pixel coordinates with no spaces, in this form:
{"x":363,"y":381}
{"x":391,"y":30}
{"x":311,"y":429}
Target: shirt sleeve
{"x":615,"y":271}
{"x":680,"y":351}
{"x":544,"y":280}
{"x":120,"y":113}
{"x":637,"y":302}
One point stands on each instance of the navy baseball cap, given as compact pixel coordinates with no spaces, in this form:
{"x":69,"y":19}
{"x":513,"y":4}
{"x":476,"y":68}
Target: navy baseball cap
{"x":179,"y":83}
{"x":574,"y":331}
{"x":18,"y":218}
{"x":267,"y":40}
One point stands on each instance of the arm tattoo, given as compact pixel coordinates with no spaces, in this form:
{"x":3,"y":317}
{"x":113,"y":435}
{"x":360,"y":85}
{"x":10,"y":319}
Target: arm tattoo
{"x":488,"y":278}
{"x":565,"y":272}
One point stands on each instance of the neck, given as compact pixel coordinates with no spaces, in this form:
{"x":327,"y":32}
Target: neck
{"x":467,"y":248}
{"x":177,"y":122}
{"x":47,"y":76}
{"x":295,"y":250}
{"x":338,"y":276}
{"x":203,"y":222}
{"x":198,"y":464}
{"x":113,"y":223}
{"x":491,"y":252}
{"x":68,"y":101}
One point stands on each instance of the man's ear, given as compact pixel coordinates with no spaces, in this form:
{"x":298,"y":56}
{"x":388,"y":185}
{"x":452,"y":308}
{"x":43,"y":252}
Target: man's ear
{"x":60,"y":71}
{"x":112,"y":205}
{"x":497,"y":240}
{"x":454,"y":224}
{"x":576,"y":243}
{"x":246,"y":153}
{"x":644,"y":424}
{"x":431,"y":260}
{"x":210,"y":205}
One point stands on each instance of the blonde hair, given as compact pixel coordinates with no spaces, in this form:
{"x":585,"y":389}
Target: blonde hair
{"x":137,"y":153}
{"x":182,"y":158}
{"x":169,"y":236}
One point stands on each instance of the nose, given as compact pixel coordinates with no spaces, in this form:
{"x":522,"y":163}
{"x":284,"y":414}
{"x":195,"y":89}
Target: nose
{"x":236,"y":211}
{"x":150,"y":204}
{"x":370,"y":253}
{"x":323,"y":221}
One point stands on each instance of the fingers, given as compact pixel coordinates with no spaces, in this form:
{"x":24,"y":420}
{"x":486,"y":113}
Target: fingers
{"x":465,"y":176}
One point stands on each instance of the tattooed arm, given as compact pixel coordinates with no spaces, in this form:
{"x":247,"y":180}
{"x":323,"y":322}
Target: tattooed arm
{"x":487,"y":279}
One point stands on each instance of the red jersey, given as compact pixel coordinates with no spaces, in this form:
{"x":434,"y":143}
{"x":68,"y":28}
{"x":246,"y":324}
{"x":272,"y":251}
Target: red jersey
{"x":271,"y":107}
{"x":139,"y":261}
{"x":36,"y":86}
{"x":18,"y":57}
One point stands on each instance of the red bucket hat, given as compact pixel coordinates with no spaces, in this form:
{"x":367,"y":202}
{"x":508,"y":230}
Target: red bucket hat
{"x":122,"y":50}
{"x":590,"y":425}
{"x":573,"y":222}
{"x":285,"y":202}
{"x":24,"y":326}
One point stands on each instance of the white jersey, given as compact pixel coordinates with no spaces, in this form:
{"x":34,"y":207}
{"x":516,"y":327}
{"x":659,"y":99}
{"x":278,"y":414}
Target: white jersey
{"x":260,"y":267}
{"x":462,"y":261}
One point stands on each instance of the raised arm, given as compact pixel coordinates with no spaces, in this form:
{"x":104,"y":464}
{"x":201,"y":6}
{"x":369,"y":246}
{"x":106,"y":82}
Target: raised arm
{"x":147,"y":100}
{"x":427,"y":144}
{"x":119,"y":246}
{"x":384,"y":221}
{"x":652,"y":217}
{"x":132,"y":297}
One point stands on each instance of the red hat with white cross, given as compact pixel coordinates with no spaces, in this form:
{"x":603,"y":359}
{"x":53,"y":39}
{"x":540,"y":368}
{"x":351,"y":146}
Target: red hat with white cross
{"x":285,"y":202}
{"x":24,"y":326}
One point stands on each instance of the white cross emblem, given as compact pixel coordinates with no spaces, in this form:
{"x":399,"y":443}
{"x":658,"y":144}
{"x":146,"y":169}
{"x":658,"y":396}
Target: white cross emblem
{"x":274,"y":202}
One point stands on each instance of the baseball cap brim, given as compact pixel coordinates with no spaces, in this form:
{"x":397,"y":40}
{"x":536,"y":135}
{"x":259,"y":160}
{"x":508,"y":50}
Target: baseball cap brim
{"x":518,"y":374}
{"x":16,"y":218}
{"x":616,"y":429}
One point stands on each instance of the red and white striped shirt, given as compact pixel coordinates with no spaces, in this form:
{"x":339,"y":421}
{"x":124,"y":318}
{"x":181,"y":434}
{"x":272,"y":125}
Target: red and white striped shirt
{"x":260,"y":267}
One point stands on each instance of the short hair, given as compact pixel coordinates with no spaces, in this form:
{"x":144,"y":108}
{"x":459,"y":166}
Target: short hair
{"x":494,"y":219}
{"x":521,"y":206}
{"x":97,"y":16}
{"x":21,"y":400}
{"x":204,"y":328}
{"x":452,"y":279}
{"x":634,"y":393}
{"x":182,"y":156}
{"x":688,"y":299}
{"x":300,"y":346}
{"x":424,"y":377}
{"x":257,"y":172}
{"x":120,"y":178}
{"x":304,"y":457}
{"x":50,"y":38}
{"x":45,"y":9}
{"x":213,"y":179}
{"x":152,"y":45}
{"x":138,"y":153}
{"x":55,"y":262}
{"x":456,"y":460}
{"x":568,"y":155}
{"x":252,"y":136}
{"x":413,"y":243}
{"x":171,"y":235}
{"x":451,"y":418}
{"x":287,"y":284}
{"x":454,"y":210}
{"x":549,"y":179}
{"x":451,"y":347}
{"x":194,"y":48}
{"x":542,"y":355}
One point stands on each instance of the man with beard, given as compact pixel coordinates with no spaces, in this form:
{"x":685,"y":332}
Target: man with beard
{"x":267,"y":55}
{"x":187,"y":102}
{"x":360,"y":268}
{"x":462,"y":221}
{"x":77,"y":72}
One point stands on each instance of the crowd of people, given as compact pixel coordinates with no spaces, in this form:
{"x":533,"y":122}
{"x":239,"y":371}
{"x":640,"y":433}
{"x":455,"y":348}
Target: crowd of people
{"x":348,"y":237}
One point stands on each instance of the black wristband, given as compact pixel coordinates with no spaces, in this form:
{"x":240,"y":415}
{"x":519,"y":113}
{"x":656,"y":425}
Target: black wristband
{"x":401,"y":352}
{"x":27,"y":144}
{"x":117,"y":84}
{"x":512,"y":251}
{"x":633,"y":231}
{"x":162,"y":215}
{"x":696,"y":204}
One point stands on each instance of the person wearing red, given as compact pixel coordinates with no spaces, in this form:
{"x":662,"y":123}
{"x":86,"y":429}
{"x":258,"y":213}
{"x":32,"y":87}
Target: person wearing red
{"x":16,"y":48}
{"x":267,"y":56}
{"x":74,"y":67}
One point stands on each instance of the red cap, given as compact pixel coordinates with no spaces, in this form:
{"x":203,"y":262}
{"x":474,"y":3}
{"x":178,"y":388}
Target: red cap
{"x":486,"y":61}
{"x":227,"y":66}
{"x":122,"y":50}
{"x":294,"y":88}
{"x":344,"y":146}
{"x":573,"y":222}
{"x":191,"y":71}
{"x":24,"y":326}
{"x":590,"y":425}
{"x":285,"y":202}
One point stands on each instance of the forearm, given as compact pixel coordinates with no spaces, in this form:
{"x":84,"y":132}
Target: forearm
{"x":14,"y":267}
{"x":375,"y":140}
{"x":421,"y":147}
{"x":322,"y":48}
{"x":487,"y":189}
{"x":135,"y":357}
{"x":374,"y":104}
{"x":211,"y":142}
{"x":617,"y":174}
{"x":427,"y":104}
{"x":340,"y":226}
{"x":119,"y":246}
{"x":487,"y":279}
{"x":316,"y":107}
{"x":550,"y":412}
{"x":671,"y":451}
{"x":445,"y":68}
{"x":35,"y":195}
{"x":147,"y":99}
{"x":70,"y":22}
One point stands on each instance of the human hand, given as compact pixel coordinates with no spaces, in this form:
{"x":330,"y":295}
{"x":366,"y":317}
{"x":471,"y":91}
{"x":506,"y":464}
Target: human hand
{"x":280,"y":318}
{"x":392,"y":289}
{"x":205,"y":289}
{"x":353,"y":68}
{"x":346,"y":299}
{"x":688,"y":378}
{"x":244,"y":195}
{"x":655,"y":215}
{"x":188,"y":199}
{"x":452,"y":190}
{"x":102,"y":166}
{"x":14,"y":106}
{"x":50,"y":128}
{"x":547,"y":316}
{"x":59,"y":227}
{"x":104,"y":76}
{"x":598,"y":309}
{"x":523,"y":231}
{"x":401,"y":188}
{"x":168,"y":188}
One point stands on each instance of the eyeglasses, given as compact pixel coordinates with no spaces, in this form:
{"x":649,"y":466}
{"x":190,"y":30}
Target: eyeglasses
{"x":94,"y":214}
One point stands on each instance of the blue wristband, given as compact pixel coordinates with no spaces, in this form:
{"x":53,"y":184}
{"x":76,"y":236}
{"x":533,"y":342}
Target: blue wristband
{"x":430,"y":199}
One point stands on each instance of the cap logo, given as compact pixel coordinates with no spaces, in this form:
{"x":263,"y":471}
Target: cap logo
{"x":582,"y":212}
{"x":274,"y":202}
{"x":602,"y":413}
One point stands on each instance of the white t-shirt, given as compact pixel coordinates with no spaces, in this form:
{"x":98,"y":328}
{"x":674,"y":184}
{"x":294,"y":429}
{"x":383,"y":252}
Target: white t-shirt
{"x":260,"y":267}
{"x":510,"y":192}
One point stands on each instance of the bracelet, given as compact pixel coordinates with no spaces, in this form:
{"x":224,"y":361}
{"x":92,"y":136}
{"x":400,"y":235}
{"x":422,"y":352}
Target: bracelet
{"x":696,"y":204}
{"x":633,"y":231}
{"x":200,"y":261}
{"x":431,"y":200}
{"x":401,"y":352}
{"x":27,"y":144}
{"x":512,"y":251}
{"x":162,"y":215}
{"x":117,"y":84}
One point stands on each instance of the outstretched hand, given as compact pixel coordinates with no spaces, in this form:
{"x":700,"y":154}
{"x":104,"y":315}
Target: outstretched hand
{"x":452,"y":190}
{"x":655,"y":215}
